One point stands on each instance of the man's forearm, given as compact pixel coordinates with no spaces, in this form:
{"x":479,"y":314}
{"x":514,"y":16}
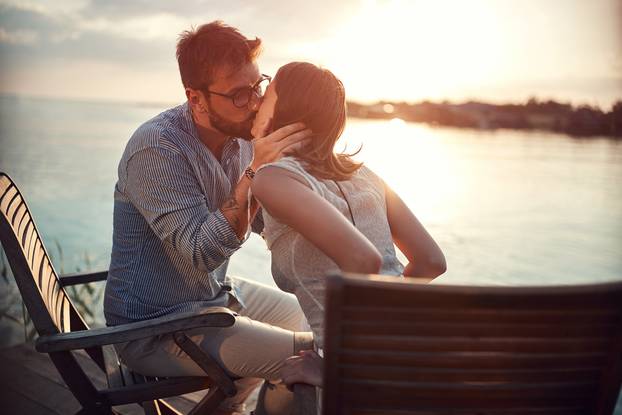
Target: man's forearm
{"x":240,"y":208}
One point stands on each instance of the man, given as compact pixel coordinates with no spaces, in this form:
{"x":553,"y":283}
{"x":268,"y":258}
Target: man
{"x":182,"y":208}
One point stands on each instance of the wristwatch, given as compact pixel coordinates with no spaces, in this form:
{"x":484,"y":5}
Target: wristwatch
{"x":249,"y":172}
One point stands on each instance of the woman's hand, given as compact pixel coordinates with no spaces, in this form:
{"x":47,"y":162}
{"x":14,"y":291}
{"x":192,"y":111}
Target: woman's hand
{"x":425,"y":258}
{"x":304,"y":368}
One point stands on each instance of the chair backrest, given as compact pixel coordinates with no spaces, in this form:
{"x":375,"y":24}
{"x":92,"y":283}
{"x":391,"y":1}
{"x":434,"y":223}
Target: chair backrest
{"x":47,"y":302}
{"x":405,"y":348}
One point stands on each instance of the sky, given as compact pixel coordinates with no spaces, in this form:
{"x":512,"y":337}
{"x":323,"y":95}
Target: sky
{"x":397,"y":50}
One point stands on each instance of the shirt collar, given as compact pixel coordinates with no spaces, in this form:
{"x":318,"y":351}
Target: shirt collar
{"x":187,"y":123}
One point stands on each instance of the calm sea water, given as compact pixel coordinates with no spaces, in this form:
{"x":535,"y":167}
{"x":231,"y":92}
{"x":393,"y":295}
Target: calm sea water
{"x":506,"y":207}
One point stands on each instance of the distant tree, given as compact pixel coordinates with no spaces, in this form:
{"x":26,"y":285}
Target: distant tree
{"x":616,"y":119}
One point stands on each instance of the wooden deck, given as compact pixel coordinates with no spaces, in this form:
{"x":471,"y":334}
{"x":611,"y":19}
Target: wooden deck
{"x":30,"y":384}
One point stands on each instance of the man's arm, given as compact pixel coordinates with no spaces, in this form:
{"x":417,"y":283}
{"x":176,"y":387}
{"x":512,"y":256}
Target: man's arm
{"x":162,"y":185}
{"x":240,"y":208}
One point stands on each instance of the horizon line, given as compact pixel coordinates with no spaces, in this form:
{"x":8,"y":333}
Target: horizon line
{"x":148,"y":104}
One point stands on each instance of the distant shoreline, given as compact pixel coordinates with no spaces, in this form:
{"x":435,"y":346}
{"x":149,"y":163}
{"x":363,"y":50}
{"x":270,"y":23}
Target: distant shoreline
{"x":580,"y":121}
{"x":577,"y":121}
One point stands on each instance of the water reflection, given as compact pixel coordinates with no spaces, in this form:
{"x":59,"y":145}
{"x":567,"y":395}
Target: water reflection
{"x":507,"y":207}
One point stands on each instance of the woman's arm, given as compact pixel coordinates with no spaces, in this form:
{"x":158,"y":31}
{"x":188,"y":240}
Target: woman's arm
{"x":425,"y":258}
{"x":287,"y":198}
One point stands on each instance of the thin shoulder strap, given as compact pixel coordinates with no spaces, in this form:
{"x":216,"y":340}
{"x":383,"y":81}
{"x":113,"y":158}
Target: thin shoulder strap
{"x":347,"y":203}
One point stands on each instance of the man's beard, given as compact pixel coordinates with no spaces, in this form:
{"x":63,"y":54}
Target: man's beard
{"x":240,"y":129}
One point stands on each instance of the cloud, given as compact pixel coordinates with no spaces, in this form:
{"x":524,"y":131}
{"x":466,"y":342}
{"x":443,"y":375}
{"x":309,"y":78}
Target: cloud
{"x":105,"y":39}
{"x":18,"y":37}
{"x":46,"y":7}
{"x":157,"y":26}
{"x":142,"y":33}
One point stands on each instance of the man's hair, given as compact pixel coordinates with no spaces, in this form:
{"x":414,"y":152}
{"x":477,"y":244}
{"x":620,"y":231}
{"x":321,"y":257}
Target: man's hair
{"x":315,"y":96}
{"x":203,"y":50}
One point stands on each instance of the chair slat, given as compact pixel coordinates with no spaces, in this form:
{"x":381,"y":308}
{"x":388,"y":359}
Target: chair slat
{"x":476,"y":329}
{"x":47,"y":289}
{"x":31,"y":243}
{"x":65,"y":314}
{"x":441,"y":315}
{"x":491,"y":344}
{"x":5,"y":183}
{"x":26,"y":235}
{"x":62,"y":311}
{"x":37,"y":259}
{"x":524,"y":411}
{"x":23,"y":223}
{"x":10,"y":203}
{"x":519,"y":298}
{"x":465,"y":375}
{"x":425,"y":396}
{"x":55,"y":301}
{"x":6,"y":199}
{"x":18,"y":216}
{"x":473,"y":360}
{"x":45,"y":275}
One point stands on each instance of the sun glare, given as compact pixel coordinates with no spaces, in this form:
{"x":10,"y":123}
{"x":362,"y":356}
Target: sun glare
{"x":411,"y":50}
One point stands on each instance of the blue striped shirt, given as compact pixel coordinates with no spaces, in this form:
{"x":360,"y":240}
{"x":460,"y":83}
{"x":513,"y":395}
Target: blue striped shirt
{"x":171,"y":243}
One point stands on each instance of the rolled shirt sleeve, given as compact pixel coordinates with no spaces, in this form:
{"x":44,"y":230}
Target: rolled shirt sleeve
{"x":162,"y":185}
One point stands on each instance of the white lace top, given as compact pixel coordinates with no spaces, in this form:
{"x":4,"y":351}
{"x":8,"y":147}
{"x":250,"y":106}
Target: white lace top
{"x":299,"y":267}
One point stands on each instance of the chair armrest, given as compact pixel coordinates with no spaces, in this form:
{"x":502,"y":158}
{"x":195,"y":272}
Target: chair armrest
{"x":208,"y":317}
{"x":82,"y":278}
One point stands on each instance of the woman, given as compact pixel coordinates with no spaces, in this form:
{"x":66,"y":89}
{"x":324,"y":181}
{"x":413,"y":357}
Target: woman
{"x":324,"y":212}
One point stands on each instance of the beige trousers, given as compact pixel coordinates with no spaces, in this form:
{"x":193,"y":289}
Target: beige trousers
{"x":254,"y":348}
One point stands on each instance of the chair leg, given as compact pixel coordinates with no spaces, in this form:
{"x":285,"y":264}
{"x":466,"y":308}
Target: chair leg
{"x":209,"y":403}
{"x":207,"y":363}
{"x":151,"y":408}
{"x":166,"y":408}
{"x":159,"y":407}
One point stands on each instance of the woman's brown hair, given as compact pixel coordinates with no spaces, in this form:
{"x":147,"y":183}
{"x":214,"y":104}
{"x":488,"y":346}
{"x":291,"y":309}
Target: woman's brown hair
{"x":316,"y":97}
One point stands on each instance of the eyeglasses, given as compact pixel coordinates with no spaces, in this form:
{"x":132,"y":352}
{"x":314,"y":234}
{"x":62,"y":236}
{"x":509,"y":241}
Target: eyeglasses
{"x":243,"y":96}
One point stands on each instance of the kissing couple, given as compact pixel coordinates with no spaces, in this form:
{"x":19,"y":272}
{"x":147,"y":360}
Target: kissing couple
{"x":249,"y":152}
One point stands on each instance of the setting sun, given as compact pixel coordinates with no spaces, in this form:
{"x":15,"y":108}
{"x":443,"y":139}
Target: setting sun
{"x":411,"y":47}
{"x":415,"y":50}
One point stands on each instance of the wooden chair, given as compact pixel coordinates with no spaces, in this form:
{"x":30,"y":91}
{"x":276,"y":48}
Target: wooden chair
{"x":397,"y":347}
{"x":62,"y":330}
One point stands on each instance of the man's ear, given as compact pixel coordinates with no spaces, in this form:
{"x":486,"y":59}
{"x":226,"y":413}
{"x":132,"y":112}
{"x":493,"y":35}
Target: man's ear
{"x":194,"y":98}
